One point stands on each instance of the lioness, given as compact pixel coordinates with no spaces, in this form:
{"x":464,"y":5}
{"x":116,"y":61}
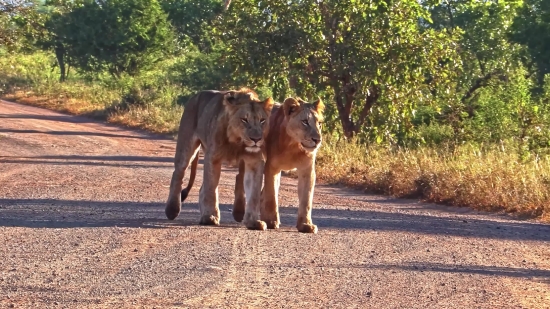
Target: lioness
{"x":292,"y":143}
{"x":230,"y":126}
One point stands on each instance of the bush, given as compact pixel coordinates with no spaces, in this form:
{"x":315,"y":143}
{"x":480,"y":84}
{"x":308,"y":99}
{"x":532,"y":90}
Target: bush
{"x":120,"y":36}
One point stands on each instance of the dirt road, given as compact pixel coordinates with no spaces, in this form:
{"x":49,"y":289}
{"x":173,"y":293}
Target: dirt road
{"x":82,"y":225}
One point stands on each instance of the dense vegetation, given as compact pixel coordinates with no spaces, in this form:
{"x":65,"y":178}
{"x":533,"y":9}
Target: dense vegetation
{"x":445,"y":100}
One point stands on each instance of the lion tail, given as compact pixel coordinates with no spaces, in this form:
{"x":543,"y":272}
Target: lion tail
{"x":194,"y":164}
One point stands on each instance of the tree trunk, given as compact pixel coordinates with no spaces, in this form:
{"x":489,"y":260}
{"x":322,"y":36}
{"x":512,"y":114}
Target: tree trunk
{"x":60,"y":54}
{"x":342,"y":93}
{"x":226,"y":4}
{"x":345,"y":117}
{"x":345,"y":109}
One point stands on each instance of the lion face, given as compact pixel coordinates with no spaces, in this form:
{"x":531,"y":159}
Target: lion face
{"x":248,"y":119}
{"x":304,"y":121}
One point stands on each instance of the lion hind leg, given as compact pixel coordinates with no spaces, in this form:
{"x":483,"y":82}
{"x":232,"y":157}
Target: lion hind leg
{"x":185,"y":152}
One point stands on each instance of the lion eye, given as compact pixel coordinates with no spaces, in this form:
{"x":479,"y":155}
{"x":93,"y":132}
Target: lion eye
{"x":262,"y":121}
{"x":305,"y":123}
{"x":244,"y":120}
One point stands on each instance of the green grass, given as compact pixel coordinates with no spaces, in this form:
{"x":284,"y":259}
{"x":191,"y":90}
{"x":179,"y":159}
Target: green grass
{"x":485,"y":178}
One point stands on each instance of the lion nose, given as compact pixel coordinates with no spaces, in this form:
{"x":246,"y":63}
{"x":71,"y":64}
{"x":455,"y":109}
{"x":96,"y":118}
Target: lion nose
{"x":316,"y":140}
{"x":255,"y":140}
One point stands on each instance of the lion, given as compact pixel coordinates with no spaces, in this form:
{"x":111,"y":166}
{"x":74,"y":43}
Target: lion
{"x":292,"y":143}
{"x":231,"y":127}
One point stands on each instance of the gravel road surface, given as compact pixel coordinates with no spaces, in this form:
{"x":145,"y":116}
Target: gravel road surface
{"x":82,"y":225}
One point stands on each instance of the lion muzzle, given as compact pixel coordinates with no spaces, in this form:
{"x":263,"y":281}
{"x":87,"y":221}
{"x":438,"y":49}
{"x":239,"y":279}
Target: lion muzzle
{"x":311,"y":144}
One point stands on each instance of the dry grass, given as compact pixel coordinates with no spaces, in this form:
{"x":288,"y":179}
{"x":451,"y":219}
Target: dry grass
{"x":492,"y":179}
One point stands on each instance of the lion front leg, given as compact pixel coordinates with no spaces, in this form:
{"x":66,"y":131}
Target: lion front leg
{"x":240,"y":197}
{"x":253,"y":174}
{"x":208,"y":195}
{"x":270,"y":201}
{"x":306,"y":186}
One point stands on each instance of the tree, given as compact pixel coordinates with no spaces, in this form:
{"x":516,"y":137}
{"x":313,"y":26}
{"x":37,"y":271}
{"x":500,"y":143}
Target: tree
{"x":489,"y":59}
{"x":192,"y":20}
{"x":10,"y":12}
{"x":531,"y":28}
{"x":372,"y":55}
{"x":120,"y":36}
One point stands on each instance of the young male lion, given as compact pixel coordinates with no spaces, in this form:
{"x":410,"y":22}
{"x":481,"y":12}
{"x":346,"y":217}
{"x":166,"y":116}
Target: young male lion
{"x":230,"y":126}
{"x":292,"y":143}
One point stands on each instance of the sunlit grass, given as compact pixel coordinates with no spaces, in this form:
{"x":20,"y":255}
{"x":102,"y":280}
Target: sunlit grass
{"x":494,"y":178}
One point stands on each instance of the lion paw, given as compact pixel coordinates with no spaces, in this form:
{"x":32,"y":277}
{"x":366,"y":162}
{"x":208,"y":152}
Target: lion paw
{"x":307,"y":228}
{"x":272,"y":225}
{"x":256,"y":225}
{"x":209,"y":220}
{"x":271,"y":218}
{"x":172,"y":210}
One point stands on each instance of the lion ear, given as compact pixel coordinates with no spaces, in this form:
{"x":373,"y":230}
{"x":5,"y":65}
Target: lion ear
{"x":231,"y":101}
{"x":291,"y":105}
{"x":268,"y":105}
{"x":319,"y":106}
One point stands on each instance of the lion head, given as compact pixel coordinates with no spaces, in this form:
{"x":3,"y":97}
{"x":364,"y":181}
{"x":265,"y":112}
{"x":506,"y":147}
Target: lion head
{"x":304,"y":121}
{"x":248,"y":120}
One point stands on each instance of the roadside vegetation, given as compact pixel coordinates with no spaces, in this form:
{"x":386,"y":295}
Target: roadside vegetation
{"x":443,"y":101}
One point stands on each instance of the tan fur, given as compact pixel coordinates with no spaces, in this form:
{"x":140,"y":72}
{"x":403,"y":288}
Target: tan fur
{"x":292,"y":143}
{"x":230,"y":126}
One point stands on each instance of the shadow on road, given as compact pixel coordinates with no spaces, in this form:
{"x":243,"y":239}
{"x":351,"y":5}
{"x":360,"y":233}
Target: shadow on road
{"x":541,"y":275}
{"x":535,"y":274}
{"x":424,"y":224}
{"x":50,"y":213}
{"x":82,"y":133}
{"x":60,"y":118}
{"x":80,"y":120}
{"x":120,"y":161}
{"x":102,"y":161}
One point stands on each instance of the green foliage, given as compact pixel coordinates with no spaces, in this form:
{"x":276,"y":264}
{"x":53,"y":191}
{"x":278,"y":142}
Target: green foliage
{"x":372,"y":56}
{"x":21,"y":24}
{"x":405,"y":73}
{"x":192,"y":20}
{"x":531,"y":27}
{"x":120,"y":36}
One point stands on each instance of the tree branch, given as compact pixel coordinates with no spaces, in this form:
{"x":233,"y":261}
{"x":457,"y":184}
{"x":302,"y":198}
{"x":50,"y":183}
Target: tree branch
{"x":371,"y":99}
{"x":482,"y":82}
